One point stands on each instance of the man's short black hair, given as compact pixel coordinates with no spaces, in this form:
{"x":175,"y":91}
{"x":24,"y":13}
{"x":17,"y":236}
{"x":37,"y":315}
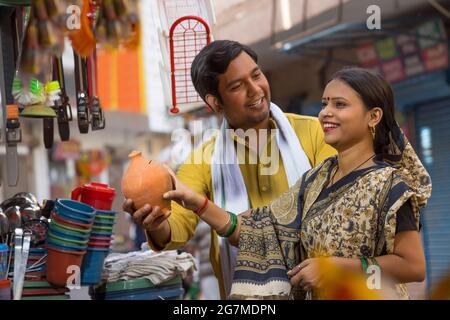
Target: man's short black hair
{"x":212,"y":61}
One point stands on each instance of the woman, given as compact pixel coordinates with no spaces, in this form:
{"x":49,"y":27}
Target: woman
{"x":358,"y":208}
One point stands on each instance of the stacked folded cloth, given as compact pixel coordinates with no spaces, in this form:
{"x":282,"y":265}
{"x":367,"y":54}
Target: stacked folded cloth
{"x":144,"y":275}
{"x":157,"y":267}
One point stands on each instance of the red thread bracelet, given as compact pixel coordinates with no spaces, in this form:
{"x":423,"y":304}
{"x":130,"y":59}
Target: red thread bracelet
{"x":202,"y":208}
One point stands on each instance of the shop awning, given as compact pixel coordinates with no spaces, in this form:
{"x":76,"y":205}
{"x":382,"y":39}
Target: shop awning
{"x":402,"y":49}
{"x":351,"y":35}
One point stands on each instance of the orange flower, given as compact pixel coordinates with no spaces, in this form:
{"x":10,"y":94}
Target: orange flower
{"x":343,"y":284}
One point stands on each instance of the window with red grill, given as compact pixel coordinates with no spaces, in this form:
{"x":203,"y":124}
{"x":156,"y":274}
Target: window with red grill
{"x":188,"y":35}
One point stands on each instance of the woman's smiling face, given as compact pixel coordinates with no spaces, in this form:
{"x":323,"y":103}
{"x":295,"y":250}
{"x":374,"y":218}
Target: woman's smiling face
{"x":344,"y":117}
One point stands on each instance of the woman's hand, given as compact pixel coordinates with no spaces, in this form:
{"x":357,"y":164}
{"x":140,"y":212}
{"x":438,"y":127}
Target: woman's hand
{"x":183,"y":195}
{"x":307,"y":274}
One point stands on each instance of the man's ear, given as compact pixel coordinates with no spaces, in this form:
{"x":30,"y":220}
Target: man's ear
{"x":213,"y":103}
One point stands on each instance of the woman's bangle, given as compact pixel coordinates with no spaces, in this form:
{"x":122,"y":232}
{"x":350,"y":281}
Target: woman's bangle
{"x":200,"y":210}
{"x":233,"y":225}
{"x":374,"y":262}
{"x":232,"y":222}
{"x":220,"y":231}
{"x":364,"y":264}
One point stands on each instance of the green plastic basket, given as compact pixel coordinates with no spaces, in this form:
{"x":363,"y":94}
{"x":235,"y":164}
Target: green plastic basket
{"x":59,"y":297}
{"x":134,"y":284}
{"x":36,"y":285}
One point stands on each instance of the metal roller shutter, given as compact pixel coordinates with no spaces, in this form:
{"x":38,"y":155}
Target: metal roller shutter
{"x":433,"y":145}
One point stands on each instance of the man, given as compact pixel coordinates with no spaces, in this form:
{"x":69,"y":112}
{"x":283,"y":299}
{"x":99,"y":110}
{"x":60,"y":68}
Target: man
{"x":226,"y":75}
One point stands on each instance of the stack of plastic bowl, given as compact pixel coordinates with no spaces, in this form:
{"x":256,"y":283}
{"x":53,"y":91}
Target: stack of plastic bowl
{"x":37,"y":288}
{"x":98,"y":247}
{"x":67,"y":239}
{"x":36,"y":262}
{"x":42,"y":290}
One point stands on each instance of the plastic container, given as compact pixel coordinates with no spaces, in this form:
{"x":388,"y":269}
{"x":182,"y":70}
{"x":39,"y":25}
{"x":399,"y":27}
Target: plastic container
{"x":139,"y":289}
{"x":92,"y":266}
{"x":99,"y":249}
{"x":170,"y":293}
{"x":75,"y":217}
{"x":98,"y":245}
{"x":77,"y":231}
{"x":65,"y":248}
{"x":61,"y":232}
{"x":105,"y":218}
{"x":83,"y":226}
{"x":104,"y":223}
{"x":106,"y":213}
{"x":5,"y":290}
{"x":102,"y":229}
{"x":51,"y":242}
{"x":39,"y":251}
{"x":35,"y":255}
{"x":98,"y":238}
{"x":98,"y":195}
{"x":3,"y":260}
{"x":67,"y":240}
{"x":58,"y":263}
{"x":74,"y":208}
{"x":103,"y":241}
{"x":99,"y":216}
{"x":97,"y":233}
{"x":58,"y":297}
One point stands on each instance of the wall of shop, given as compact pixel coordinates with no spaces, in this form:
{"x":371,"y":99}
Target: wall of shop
{"x":299,"y":84}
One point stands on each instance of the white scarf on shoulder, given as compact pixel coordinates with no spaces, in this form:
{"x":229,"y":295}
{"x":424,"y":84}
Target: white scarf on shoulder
{"x":229,"y":190}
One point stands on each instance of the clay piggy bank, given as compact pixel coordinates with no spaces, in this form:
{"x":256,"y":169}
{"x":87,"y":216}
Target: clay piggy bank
{"x":145,"y":182}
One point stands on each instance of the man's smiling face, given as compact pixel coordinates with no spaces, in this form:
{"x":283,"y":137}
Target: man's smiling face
{"x":244,"y":93}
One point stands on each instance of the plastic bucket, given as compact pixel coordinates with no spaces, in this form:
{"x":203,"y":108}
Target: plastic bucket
{"x":75,"y":230}
{"x":3,"y":260}
{"x":60,"y":232}
{"x":60,"y":264}
{"x":72,"y":224}
{"x":92,"y":266}
{"x":64,"y":245}
{"x":74,"y":211}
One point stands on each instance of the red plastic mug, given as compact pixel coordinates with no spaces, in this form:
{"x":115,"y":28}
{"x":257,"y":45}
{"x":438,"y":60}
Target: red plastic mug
{"x":97,"y":195}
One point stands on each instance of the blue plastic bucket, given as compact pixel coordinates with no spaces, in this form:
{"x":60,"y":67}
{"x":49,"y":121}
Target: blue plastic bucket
{"x":3,"y":260}
{"x":92,"y":266}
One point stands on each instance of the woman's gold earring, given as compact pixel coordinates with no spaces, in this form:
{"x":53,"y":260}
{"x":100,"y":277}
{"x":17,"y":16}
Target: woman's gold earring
{"x":372,"y":131}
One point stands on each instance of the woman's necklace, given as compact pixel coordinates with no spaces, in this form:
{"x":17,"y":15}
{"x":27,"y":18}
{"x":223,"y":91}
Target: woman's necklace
{"x":359,"y":166}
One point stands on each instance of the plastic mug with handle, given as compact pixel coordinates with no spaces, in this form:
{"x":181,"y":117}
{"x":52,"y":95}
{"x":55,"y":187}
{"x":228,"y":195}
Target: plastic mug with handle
{"x":97,"y":195}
